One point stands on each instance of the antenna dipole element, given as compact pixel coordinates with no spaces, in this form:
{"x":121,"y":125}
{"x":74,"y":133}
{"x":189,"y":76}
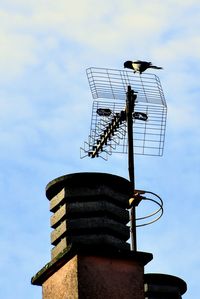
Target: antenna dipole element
{"x":107,"y":134}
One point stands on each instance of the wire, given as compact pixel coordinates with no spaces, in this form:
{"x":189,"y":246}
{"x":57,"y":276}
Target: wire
{"x":159,"y":210}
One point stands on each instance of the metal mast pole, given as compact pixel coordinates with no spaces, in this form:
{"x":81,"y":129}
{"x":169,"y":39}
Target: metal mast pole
{"x":130,"y":103}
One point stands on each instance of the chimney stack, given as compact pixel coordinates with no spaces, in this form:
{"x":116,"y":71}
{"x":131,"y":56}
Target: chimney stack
{"x":91,"y":256}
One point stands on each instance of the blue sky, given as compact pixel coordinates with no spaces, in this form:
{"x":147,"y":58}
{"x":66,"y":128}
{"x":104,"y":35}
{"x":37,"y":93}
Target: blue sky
{"x":45,"y":117}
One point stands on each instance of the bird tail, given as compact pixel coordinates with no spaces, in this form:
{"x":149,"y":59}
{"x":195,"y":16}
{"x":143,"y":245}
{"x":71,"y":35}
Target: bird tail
{"x":156,"y":67}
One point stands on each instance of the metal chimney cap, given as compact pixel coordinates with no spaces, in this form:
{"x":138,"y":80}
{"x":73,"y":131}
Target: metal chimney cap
{"x":165,"y":280}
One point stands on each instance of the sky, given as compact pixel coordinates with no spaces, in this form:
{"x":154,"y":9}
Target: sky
{"x":45,"y":111}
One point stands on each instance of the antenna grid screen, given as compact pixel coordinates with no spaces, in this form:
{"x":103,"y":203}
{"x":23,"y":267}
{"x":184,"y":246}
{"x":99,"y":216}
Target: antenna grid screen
{"x":109,"y":89}
{"x":112,"y":84}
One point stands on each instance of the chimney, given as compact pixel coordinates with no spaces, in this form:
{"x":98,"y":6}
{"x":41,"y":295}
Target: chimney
{"x":91,"y":257}
{"x":163,"y":286}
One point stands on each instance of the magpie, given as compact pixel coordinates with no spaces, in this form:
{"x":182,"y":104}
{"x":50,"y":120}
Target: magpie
{"x":140,"y":66}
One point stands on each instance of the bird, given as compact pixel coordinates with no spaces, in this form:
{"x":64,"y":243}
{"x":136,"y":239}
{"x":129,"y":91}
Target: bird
{"x":140,"y":66}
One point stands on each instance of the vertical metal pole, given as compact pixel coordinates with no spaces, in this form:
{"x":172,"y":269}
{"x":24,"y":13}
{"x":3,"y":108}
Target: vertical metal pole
{"x":130,"y":103}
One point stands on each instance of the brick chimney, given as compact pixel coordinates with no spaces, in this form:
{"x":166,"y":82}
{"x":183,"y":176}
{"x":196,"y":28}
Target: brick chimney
{"x":91,"y":256}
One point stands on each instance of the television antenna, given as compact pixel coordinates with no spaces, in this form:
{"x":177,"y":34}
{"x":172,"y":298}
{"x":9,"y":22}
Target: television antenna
{"x":128,"y":116}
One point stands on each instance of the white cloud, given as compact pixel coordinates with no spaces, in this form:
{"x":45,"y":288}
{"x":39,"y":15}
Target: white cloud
{"x":16,"y":54}
{"x":106,"y":29}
